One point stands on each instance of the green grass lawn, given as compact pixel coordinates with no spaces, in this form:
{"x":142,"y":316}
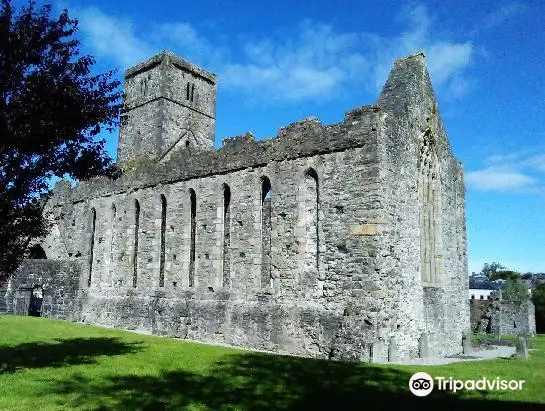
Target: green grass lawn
{"x":49,"y":364}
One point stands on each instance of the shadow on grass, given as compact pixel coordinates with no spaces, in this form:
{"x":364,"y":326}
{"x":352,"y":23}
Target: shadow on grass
{"x":264,"y":382}
{"x":63,"y":352}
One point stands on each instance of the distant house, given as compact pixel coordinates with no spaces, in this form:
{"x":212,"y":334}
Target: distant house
{"x":480,"y":287}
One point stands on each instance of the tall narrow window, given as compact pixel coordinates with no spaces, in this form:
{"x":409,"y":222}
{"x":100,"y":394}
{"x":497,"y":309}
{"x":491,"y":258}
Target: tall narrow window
{"x":135,"y":248}
{"x":187,"y":89}
{"x":92,"y":245}
{"x":112,"y":235}
{"x":226,"y":235}
{"x":163,"y":229}
{"x":192,"y":228}
{"x":266,"y":278}
{"x":312,"y":237}
{"x":428,"y":207}
{"x":192,"y":92}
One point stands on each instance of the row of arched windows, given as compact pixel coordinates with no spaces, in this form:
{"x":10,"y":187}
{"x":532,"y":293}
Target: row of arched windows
{"x":309,"y":218}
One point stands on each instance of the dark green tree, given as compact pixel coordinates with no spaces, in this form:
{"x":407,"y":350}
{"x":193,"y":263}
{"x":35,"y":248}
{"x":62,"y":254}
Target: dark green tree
{"x":492,"y":268}
{"x":505,"y":275}
{"x":51,"y":110}
{"x":496,"y":271}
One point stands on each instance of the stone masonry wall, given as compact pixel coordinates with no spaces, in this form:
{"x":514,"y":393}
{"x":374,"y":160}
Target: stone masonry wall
{"x":326,"y":265}
{"x":305,"y":311}
{"x":500,"y":317}
{"x":434,"y":311}
{"x":60,"y":282}
{"x":517,"y":318}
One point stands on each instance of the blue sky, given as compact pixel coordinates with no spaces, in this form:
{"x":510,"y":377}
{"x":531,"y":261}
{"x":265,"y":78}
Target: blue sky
{"x":279,"y":62}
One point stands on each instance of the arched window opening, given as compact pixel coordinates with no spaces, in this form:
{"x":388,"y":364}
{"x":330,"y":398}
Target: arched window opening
{"x":163,"y":230}
{"x":311,"y":220}
{"x":192,"y":228}
{"x":135,"y":246}
{"x":428,"y":196}
{"x":36,"y":252}
{"x":112,"y":234}
{"x":92,"y":245}
{"x":266,"y":277}
{"x":226,"y":264}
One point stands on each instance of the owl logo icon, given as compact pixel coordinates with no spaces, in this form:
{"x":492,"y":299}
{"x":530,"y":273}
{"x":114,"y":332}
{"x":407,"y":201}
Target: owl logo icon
{"x":421,"y":384}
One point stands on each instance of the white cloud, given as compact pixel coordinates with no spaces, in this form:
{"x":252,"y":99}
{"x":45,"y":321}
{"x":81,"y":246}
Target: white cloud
{"x":111,"y":37}
{"x":292,"y":67}
{"x":515,"y":171}
{"x":502,"y":14}
{"x":118,"y":40}
{"x":498,"y":179}
{"x":446,"y":59}
{"x":310,"y":61}
{"x":312,"y":65}
{"x":537,"y":162}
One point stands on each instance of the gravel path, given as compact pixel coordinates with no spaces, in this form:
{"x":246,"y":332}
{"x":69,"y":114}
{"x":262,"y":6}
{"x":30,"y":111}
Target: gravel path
{"x":496,"y":351}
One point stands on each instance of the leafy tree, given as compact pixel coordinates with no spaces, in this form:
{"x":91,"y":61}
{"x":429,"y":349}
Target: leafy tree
{"x":496,"y":271}
{"x":51,"y":110}
{"x":492,"y":268}
{"x":505,"y":275}
{"x":538,"y":298}
{"x":515,"y":291}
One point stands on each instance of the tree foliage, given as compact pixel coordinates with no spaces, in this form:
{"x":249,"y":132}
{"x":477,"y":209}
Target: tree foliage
{"x":51,"y":110}
{"x":496,"y":271}
{"x":515,"y":291}
{"x":490,"y":269}
{"x":505,"y":275}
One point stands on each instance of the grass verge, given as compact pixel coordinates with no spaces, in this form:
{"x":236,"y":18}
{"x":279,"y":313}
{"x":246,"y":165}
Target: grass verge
{"x":48,"y":365}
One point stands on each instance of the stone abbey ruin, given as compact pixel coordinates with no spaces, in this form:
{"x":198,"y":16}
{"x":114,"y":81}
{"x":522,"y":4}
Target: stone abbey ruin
{"x":343,"y":241}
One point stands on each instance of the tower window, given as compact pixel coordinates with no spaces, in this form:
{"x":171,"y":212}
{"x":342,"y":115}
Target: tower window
{"x":190,"y":92}
{"x":144,"y":87}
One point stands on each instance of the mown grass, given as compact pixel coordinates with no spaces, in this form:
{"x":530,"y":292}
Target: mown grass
{"x":48,"y":364}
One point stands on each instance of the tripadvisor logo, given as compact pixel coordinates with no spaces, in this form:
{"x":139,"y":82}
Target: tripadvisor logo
{"x":421,"y":384}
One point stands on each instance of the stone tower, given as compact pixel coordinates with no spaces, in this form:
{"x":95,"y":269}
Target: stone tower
{"x":170,"y":105}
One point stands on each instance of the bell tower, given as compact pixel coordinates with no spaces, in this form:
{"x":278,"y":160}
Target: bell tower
{"x":170,"y":105}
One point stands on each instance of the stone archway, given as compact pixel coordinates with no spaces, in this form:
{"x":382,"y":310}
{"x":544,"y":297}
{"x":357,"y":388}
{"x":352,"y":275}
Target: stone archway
{"x":35,"y":303}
